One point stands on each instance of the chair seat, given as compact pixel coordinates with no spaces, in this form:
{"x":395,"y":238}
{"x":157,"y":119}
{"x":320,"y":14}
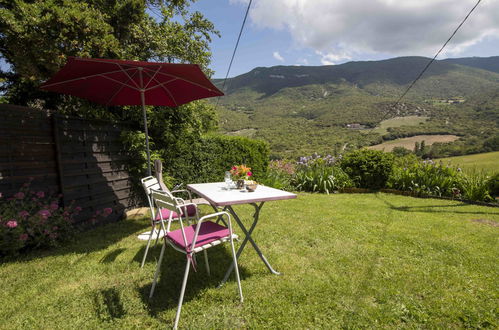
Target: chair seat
{"x":209,"y":233}
{"x":191,"y":211}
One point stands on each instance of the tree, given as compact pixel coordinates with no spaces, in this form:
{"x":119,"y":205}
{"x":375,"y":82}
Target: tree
{"x":37,"y":36}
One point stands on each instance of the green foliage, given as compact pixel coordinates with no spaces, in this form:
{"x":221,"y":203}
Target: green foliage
{"x":31,"y":220}
{"x":476,"y":187}
{"x":426,"y":178}
{"x":493,"y":185}
{"x":401,"y":151}
{"x":368,"y":168}
{"x":38,"y":36}
{"x":319,"y":174}
{"x":207,"y":159}
{"x":279,"y":174}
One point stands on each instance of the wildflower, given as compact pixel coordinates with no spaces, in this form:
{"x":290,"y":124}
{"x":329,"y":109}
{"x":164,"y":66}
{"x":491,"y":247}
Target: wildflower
{"x":19,"y":195}
{"x":250,"y":174}
{"x":40,"y":194}
{"x":23,"y":214}
{"x":459,"y":169}
{"x":23,"y":237}
{"x":44,"y":214}
{"x":11,"y":223}
{"x":54,"y":206}
{"x":107,"y":211}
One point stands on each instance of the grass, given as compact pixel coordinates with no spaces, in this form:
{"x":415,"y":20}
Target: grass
{"x":348,"y":260}
{"x":487,"y":162}
{"x":398,"y":122}
{"x":409,"y":142}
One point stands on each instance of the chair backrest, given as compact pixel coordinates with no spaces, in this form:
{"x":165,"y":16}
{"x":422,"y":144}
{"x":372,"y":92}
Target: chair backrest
{"x":165,"y":200}
{"x":150,"y":183}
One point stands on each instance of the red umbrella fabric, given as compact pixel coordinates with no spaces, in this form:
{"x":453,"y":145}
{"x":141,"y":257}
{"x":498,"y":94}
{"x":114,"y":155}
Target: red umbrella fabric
{"x":121,"y":82}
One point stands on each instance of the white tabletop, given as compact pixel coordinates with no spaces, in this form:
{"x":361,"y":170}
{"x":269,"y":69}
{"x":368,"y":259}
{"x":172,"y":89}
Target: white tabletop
{"x":218,"y":195}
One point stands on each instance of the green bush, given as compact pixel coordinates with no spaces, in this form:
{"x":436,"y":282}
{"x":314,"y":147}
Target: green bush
{"x":279,"y":174}
{"x":320,"y":174}
{"x":475,"y":187}
{"x":368,"y":168}
{"x":207,"y":159}
{"x":426,"y":178}
{"x":493,"y":185}
{"x":32,"y":219}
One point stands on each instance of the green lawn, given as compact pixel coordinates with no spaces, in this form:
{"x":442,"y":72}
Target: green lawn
{"x":488,"y":162}
{"x":348,"y":260}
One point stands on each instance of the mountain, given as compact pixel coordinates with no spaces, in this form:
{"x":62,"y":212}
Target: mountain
{"x":303,"y":109}
{"x":484,"y":63}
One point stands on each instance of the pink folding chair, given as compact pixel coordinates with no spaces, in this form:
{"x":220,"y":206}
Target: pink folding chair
{"x":151,"y":183}
{"x":192,"y":239}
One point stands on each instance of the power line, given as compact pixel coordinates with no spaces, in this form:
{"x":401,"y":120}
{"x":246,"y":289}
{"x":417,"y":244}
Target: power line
{"x":235,"y":48}
{"x":429,"y":63}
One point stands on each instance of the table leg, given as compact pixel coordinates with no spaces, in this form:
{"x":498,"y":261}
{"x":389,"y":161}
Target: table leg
{"x":247,"y":238}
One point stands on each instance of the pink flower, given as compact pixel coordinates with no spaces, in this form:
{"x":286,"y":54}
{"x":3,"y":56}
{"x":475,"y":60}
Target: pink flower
{"x":23,"y":214}
{"x":54,"y":206}
{"x":1,"y":195}
{"x":46,"y":232}
{"x":107,"y":211}
{"x":78,"y":209}
{"x":19,"y":195}
{"x":44,"y":214}
{"x":40,"y":194}
{"x":23,"y":237}
{"x":250,"y":174}
{"x":55,"y":228}
{"x":11,"y":223}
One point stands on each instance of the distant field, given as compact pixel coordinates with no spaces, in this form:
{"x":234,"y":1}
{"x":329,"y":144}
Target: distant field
{"x":248,"y":132}
{"x":409,"y":142}
{"x":488,"y":161}
{"x":399,"y":121}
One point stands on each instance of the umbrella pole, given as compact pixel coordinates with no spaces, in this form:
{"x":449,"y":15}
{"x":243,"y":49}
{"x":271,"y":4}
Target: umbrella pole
{"x":143,"y":101}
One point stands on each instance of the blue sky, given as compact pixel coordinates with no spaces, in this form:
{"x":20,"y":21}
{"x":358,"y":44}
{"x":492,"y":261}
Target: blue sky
{"x":317,"y":32}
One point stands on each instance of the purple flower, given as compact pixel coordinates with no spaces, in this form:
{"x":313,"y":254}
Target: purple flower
{"x":23,"y":214}
{"x":11,"y":223}
{"x":40,"y":194}
{"x":108,"y":211}
{"x":23,"y":237}
{"x":19,"y":195}
{"x":44,"y":214}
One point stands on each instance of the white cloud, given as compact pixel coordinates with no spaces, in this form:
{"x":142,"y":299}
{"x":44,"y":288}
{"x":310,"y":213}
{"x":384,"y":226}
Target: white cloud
{"x":338,"y":30}
{"x":278,"y":56}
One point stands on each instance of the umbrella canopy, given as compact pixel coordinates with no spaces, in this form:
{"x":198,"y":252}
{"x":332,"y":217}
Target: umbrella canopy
{"x":120,"y":82}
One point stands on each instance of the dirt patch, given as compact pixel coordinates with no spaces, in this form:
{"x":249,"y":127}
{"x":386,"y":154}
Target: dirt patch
{"x":486,"y":222}
{"x":409,"y":142}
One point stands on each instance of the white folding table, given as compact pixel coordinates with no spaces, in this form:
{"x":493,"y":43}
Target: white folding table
{"x":218,"y":196}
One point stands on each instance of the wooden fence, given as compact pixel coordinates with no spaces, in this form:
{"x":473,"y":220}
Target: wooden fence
{"x":81,"y":159}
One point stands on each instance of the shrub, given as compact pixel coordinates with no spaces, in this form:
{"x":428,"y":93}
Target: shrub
{"x":32,"y":219}
{"x":207,"y":160}
{"x":368,"y":168}
{"x":426,"y":178}
{"x":475,"y":187}
{"x":318,"y":174}
{"x":493,"y":185}
{"x":279,"y":174}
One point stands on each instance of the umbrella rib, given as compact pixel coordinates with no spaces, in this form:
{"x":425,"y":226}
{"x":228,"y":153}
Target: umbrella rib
{"x":163,"y":87}
{"x":118,"y":91}
{"x":85,"y":77}
{"x":154,"y":75}
{"x":130,"y":78}
{"x":186,"y":80}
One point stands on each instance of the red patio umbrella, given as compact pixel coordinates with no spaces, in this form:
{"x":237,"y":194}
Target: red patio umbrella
{"x":120,"y":82}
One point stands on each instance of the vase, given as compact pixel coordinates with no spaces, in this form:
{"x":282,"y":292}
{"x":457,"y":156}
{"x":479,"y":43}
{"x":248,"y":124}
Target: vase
{"x":240,"y":184}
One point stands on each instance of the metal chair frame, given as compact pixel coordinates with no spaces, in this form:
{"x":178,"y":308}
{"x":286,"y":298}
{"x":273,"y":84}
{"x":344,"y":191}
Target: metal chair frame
{"x":149,"y":184}
{"x":165,"y":200}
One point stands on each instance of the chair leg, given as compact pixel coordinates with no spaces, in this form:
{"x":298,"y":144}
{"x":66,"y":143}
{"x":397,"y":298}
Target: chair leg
{"x":182,"y":291}
{"x":157,"y":271}
{"x":147,"y":246}
{"x":206,"y":262}
{"x":236,"y":268}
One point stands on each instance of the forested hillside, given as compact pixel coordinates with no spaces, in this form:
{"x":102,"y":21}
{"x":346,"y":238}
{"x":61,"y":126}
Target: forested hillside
{"x":301,"y":110}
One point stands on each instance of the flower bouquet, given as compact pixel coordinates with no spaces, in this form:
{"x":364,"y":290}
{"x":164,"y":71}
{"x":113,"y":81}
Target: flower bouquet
{"x":240,"y":173}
